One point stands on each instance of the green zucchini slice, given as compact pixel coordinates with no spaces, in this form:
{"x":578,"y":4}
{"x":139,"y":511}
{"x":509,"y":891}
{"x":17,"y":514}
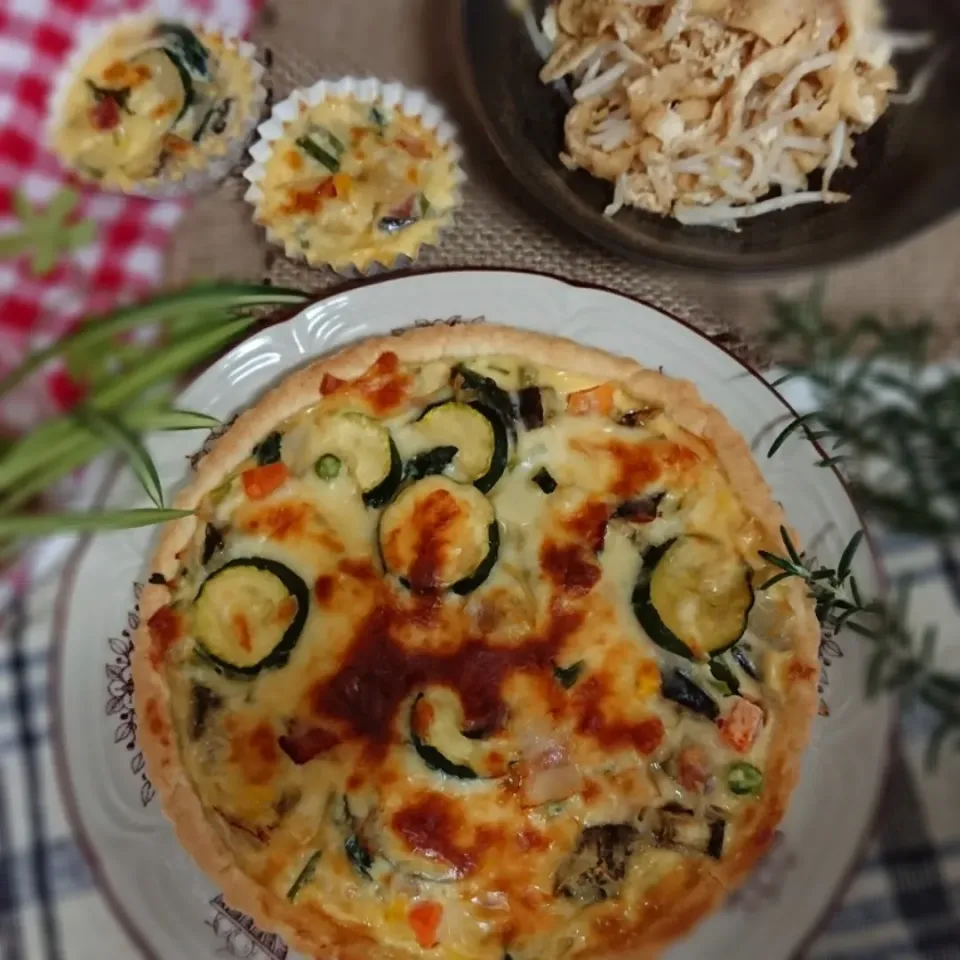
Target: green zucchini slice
{"x":365,"y":447}
{"x":321,"y":145}
{"x":438,"y":737}
{"x":249,"y":614}
{"x":693,"y":597}
{"x":188,"y":47}
{"x":439,"y":535}
{"x":476,"y":431}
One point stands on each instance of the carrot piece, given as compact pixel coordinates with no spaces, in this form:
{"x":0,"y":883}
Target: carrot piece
{"x":105,"y":115}
{"x":741,"y":724}
{"x":415,"y":147}
{"x":330,"y":384}
{"x":342,"y":183}
{"x":424,"y":919}
{"x":260,"y":482}
{"x":597,"y":399}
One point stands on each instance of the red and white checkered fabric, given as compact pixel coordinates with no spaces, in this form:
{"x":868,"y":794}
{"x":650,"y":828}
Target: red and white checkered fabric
{"x":126,"y":259}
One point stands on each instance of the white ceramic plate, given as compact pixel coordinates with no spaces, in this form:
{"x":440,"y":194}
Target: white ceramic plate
{"x":170,"y":910}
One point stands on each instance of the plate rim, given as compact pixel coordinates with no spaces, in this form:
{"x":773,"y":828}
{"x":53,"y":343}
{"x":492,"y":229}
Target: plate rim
{"x":65,"y":594}
{"x":683,"y":264}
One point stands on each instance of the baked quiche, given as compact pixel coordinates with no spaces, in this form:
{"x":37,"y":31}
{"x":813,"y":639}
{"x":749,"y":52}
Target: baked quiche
{"x":467,"y":653}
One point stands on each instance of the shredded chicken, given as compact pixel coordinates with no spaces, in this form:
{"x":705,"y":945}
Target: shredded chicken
{"x":712,"y":111}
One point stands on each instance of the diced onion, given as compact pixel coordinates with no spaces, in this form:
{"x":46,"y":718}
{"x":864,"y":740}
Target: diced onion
{"x":723,"y":214}
{"x":600,"y":84}
{"x":837,"y":140}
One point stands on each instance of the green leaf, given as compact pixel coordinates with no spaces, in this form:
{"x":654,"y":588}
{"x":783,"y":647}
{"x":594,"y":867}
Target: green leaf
{"x":41,"y":480}
{"x":42,"y":525}
{"x":846,"y":558}
{"x":206,"y":297}
{"x":120,"y":437}
{"x":776,"y":579}
{"x":780,"y":562}
{"x":948,"y":725}
{"x":13,"y":244}
{"x":790,"y":429}
{"x":791,"y":549}
{"x":179,"y":420}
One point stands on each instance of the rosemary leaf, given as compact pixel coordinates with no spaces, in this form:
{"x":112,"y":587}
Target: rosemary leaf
{"x":791,"y":429}
{"x":846,"y":558}
{"x":776,"y":579}
{"x":36,"y":525}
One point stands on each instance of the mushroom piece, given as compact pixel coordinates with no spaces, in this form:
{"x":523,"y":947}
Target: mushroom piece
{"x":596,"y":868}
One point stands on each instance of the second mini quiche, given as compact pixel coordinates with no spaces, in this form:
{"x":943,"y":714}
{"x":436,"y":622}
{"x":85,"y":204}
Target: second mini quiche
{"x":155,"y":106}
{"x":354,"y":175}
{"x":470,"y":655}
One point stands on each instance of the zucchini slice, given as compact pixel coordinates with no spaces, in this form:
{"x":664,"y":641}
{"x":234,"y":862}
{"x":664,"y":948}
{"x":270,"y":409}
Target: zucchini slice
{"x":679,"y":688}
{"x":249,"y":614}
{"x":477,"y":432}
{"x":321,"y":145}
{"x":429,"y":463}
{"x":188,"y":47}
{"x":468,"y":385}
{"x":693,"y":597}
{"x":439,"y":535}
{"x":438,"y":737}
{"x":365,"y":446}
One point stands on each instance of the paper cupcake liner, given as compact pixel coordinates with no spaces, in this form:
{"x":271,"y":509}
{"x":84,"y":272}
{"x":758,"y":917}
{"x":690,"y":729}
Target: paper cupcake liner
{"x":183,"y":183}
{"x":413,"y":103}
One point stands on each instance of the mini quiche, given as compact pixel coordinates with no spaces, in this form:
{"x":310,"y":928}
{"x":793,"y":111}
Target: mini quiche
{"x":466,"y":654}
{"x":155,"y":102}
{"x":350,"y":183}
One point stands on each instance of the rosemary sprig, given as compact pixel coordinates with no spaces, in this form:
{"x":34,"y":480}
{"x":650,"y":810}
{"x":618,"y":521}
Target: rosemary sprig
{"x":893,"y":430}
{"x":901,"y":660}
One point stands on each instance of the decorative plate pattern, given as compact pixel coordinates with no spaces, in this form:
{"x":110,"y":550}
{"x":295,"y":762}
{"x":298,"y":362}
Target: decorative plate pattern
{"x":165,"y":903}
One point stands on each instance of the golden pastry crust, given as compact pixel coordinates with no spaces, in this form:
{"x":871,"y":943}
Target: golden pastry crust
{"x":679,"y":900}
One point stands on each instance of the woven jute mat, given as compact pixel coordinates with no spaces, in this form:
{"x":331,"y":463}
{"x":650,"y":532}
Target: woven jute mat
{"x":415,"y":42}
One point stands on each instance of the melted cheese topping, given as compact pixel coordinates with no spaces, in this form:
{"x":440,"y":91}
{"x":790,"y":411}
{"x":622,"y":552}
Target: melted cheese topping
{"x":350,"y":183}
{"x":499,"y":759}
{"x":152,"y":102}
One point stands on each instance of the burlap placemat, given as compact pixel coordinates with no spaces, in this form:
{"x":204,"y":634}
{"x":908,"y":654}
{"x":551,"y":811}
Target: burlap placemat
{"x":415,"y":41}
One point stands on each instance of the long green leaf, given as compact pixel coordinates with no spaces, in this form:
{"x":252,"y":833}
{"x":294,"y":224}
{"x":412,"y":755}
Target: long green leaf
{"x":42,"y":525}
{"x":177,"y":420}
{"x":87,"y":447}
{"x":206,"y":297}
{"x":55,"y":438}
{"x":174,"y":359}
{"x":118,"y":435}
{"x":42,"y":480}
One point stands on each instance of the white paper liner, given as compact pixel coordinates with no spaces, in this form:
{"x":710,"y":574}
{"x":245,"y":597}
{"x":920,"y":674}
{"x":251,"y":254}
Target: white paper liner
{"x":93,"y":33}
{"x":413,"y":103}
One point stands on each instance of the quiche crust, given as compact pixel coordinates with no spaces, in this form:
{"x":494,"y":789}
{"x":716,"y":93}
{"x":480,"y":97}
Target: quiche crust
{"x":696,"y":885}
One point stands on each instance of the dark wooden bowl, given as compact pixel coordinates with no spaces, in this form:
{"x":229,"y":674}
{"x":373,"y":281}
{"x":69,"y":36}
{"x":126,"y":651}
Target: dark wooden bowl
{"x":908,"y":175}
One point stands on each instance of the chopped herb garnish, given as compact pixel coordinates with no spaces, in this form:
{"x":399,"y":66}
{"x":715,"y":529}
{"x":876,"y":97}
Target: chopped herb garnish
{"x":745,"y":780}
{"x":328,"y":467}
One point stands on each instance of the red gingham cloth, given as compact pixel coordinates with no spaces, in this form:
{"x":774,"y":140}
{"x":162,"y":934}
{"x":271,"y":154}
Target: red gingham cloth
{"x":126,"y":258}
